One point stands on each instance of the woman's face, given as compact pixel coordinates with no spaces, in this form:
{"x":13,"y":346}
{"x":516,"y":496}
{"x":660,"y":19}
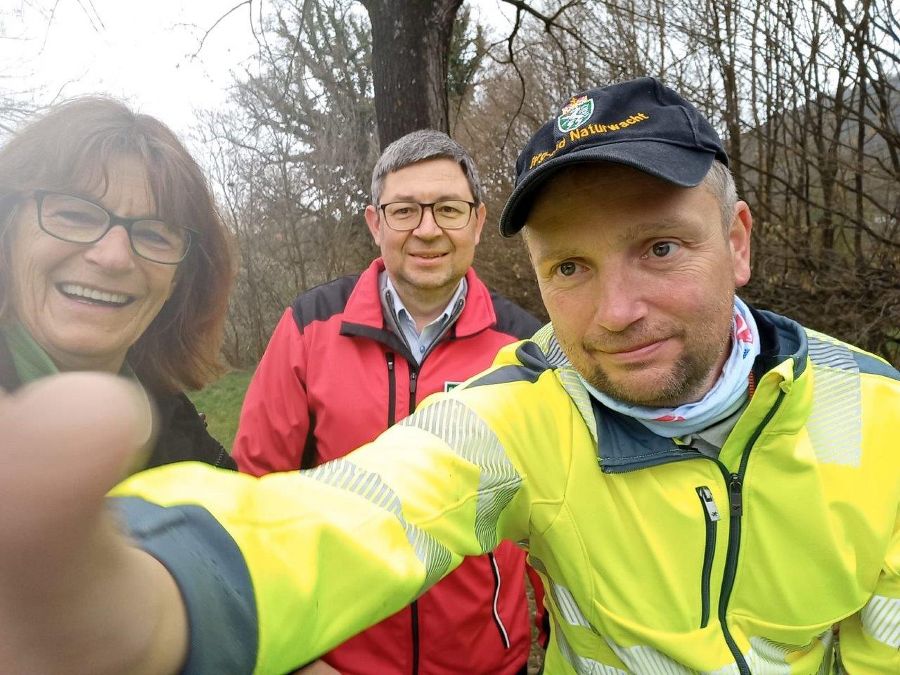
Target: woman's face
{"x":87,"y":304}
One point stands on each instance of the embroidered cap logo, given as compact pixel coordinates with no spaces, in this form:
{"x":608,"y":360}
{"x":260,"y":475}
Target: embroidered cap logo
{"x":577,"y":112}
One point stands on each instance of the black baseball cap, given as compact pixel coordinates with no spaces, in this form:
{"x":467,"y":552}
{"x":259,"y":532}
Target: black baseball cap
{"x":639,"y":123}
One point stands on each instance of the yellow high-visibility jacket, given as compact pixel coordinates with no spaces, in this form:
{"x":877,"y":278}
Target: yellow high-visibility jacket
{"x":656,"y":558}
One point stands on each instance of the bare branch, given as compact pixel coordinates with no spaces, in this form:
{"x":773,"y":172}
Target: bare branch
{"x":217,"y":22}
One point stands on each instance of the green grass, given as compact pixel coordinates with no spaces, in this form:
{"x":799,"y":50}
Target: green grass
{"x":221,"y":401}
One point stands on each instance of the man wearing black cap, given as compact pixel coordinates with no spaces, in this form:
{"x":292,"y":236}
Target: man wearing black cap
{"x":703,"y":486}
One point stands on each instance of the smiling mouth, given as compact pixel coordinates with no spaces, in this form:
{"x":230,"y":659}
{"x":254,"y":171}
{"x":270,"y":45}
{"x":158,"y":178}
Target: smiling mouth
{"x":635,"y":348}
{"x":633,"y":351}
{"x":94,"y":295}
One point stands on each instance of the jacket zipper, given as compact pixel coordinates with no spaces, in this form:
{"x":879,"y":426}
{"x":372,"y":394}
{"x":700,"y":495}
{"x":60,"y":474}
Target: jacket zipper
{"x":392,"y":419}
{"x":414,"y":606}
{"x":392,"y":412}
{"x":392,"y":385}
{"x":495,"y":608}
{"x":413,"y":385}
{"x":414,"y":618}
{"x":735,"y":483}
{"x":711,"y":517}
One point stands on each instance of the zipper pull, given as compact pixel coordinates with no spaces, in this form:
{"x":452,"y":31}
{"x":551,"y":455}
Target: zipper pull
{"x":709,"y":503}
{"x":390,"y":361}
{"x":734,"y":495}
{"x":413,"y":378}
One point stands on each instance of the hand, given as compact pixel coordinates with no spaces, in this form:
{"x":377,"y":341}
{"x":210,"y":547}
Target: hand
{"x":74,"y":596}
{"x":317,"y":668}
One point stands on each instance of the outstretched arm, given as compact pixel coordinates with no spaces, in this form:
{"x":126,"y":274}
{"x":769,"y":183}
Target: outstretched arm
{"x":75,"y":596}
{"x":257,"y":567}
{"x":870,"y":639}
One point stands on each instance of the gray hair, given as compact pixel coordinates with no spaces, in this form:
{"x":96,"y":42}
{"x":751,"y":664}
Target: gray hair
{"x":417,"y":147}
{"x":720,"y":183}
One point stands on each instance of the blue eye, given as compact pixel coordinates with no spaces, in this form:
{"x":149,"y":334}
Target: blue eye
{"x":663,"y":249}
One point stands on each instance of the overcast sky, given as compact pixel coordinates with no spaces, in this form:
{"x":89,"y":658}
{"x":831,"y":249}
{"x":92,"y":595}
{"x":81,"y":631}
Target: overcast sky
{"x":144,"y":51}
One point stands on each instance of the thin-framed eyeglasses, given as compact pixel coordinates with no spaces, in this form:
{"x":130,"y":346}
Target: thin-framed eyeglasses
{"x":449,"y":214}
{"x":81,"y":221}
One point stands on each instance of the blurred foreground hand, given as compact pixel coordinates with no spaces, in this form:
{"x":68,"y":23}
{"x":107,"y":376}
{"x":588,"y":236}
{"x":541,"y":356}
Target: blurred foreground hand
{"x":74,"y":596}
{"x":318,"y":668}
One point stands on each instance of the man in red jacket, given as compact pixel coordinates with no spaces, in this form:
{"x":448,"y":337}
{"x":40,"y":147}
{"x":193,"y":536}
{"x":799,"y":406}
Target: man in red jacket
{"x":356,"y":355}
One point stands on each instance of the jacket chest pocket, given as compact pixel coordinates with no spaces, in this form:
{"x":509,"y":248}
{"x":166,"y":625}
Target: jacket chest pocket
{"x":711,"y":518}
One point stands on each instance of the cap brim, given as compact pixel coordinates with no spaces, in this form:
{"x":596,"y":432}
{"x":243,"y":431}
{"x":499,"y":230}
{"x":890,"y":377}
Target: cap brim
{"x":672,"y":163}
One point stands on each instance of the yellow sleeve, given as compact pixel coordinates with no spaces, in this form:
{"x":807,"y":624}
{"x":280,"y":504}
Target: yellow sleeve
{"x":293,"y":564}
{"x":870,"y":638}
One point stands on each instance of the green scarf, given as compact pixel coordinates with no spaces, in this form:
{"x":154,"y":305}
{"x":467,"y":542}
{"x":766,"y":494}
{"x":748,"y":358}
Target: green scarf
{"x":32,"y":363}
{"x":29,"y":358}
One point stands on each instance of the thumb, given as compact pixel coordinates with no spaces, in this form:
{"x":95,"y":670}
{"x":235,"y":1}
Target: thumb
{"x":64,"y":442}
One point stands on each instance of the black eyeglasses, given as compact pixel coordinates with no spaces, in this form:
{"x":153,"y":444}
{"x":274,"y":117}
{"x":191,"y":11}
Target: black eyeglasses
{"x":80,"y":221}
{"x":449,"y":214}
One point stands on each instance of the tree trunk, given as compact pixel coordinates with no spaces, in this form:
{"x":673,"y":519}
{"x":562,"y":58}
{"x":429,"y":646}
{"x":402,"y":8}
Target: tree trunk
{"x":410,"y":52}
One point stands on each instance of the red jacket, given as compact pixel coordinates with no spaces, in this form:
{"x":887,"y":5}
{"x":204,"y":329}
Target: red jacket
{"x":332,"y":378}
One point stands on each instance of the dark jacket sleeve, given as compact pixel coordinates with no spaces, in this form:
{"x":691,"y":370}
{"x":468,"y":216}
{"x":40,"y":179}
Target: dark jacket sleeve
{"x":514,"y":320}
{"x":183,"y":435}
